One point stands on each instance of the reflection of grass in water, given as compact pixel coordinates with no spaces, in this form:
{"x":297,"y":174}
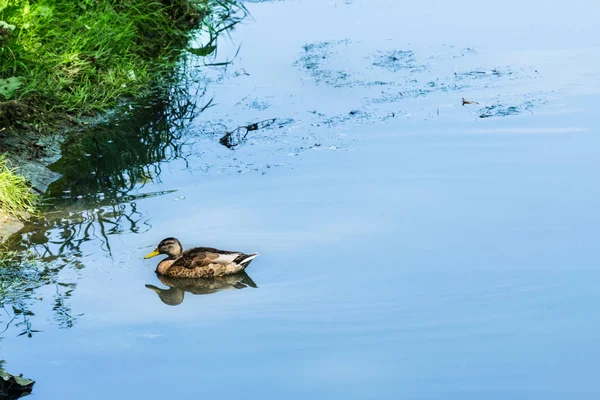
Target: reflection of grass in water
{"x":20,"y":276}
{"x":58,"y":238}
{"x":112,"y":159}
{"x":16,"y":284}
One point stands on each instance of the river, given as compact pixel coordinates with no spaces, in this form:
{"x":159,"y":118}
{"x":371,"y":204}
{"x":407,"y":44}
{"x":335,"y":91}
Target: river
{"x":411,"y":246}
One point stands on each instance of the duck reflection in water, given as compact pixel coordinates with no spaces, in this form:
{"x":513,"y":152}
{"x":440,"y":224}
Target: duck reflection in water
{"x":173,"y":296}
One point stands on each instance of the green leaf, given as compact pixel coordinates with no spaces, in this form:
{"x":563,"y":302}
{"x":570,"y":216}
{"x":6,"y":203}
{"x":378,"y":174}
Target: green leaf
{"x":202,"y":51}
{"x":9,"y":86}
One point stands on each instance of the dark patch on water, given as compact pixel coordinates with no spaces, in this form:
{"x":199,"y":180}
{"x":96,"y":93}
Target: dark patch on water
{"x":397,"y":60}
{"x":498,"y":110}
{"x":352,"y":116}
{"x":502,"y":110}
{"x":254,"y":103}
{"x":479,"y":74}
{"x":314,"y":59}
{"x":111,"y":159}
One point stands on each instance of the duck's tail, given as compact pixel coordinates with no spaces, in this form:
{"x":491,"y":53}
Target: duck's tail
{"x":245,"y":259}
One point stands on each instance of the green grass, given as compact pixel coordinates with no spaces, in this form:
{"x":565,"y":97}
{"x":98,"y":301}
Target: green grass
{"x":79,"y":57}
{"x":16,"y":197}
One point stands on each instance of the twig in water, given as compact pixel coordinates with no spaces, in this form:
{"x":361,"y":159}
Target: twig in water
{"x":236,"y":136}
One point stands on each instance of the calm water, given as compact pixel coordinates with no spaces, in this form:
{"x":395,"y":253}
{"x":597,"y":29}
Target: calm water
{"x":411,"y":247}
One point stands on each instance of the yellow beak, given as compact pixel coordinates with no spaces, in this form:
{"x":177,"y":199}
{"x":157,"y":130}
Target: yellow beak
{"x":153,"y":254}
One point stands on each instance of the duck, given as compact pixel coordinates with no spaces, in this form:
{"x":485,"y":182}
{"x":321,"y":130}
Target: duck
{"x":177,"y":287}
{"x":199,"y":262}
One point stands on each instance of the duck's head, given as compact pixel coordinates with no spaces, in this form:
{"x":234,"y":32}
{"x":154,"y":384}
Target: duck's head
{"x":169,"y":246}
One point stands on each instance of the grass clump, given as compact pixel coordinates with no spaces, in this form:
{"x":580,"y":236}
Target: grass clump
{"x":16,"y":197}
{"x":78,"y":57}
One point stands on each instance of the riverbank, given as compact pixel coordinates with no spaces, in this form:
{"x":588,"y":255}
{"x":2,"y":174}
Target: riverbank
{"x":64,"y":64}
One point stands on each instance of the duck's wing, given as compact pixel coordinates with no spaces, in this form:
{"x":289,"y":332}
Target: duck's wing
{"x":203,"y":256}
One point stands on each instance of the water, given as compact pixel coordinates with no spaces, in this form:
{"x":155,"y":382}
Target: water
{"x":410,"y":247}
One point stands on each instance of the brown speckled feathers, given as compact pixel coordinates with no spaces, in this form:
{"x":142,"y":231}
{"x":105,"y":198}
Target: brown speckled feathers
{"x":199,"y":262}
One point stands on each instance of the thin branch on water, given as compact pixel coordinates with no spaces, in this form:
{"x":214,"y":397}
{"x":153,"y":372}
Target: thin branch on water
{"x":229,"y":139}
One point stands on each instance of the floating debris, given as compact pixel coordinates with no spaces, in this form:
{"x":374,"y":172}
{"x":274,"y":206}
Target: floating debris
{"x":464,"y":101}
{"x":498,"y":110}
{"x":238,"y":135}
{"x":13,"y":387}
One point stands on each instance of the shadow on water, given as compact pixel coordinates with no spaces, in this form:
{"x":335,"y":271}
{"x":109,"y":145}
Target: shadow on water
{"x":108,"y":161}
{"x":177,"y":287}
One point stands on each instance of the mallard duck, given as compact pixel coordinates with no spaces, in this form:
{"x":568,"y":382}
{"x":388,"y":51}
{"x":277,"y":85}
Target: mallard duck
{"x":199,"y":262}
{"x":178,"y":286}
